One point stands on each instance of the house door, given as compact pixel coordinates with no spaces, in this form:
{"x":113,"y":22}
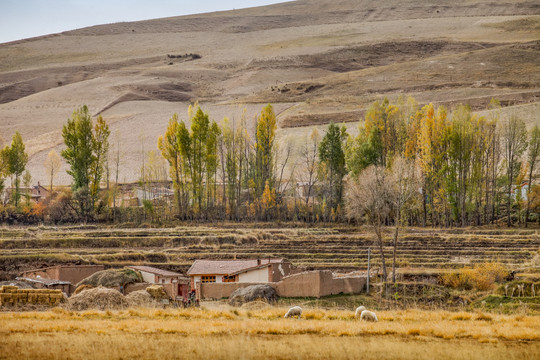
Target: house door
{"x":183,"y":290}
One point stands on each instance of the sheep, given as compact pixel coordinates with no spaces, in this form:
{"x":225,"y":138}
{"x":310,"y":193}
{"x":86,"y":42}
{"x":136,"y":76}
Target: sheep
{"x":294,"y":311}
{"x":359,"y":311}
{"x":521,"y":293}
{"x":368,"y":316}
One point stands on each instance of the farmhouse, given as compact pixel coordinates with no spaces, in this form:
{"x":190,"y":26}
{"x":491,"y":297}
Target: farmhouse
{"x":44,"y":283}
{"x":175,"y":284}
{"x":239,"y":271}
{"x":36,"y":193}
{"x":70,"y":274}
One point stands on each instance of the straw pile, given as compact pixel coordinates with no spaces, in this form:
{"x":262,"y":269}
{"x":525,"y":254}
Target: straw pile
{"x":157,"y":292}
{"x":140,"y":298}
{"x":13,"y":296}
{"x":255,"y":305}
{"x":112,"y":278}
{"x":98,"y":298}
{"x":81,"y":288}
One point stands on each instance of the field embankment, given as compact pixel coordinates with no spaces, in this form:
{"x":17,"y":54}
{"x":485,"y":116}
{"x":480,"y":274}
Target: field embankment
{"x":332,"y":247}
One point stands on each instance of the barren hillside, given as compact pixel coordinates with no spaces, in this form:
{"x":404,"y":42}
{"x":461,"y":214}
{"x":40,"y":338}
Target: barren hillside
{"x":317,"y":61}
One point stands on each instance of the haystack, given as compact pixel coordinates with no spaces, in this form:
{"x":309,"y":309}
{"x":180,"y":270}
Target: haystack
{"x":98,"y":298}
{"x":140,"y":298}
{"x":157,"y":292}
{"x":112,"y":278}
{"x":82,"y":288}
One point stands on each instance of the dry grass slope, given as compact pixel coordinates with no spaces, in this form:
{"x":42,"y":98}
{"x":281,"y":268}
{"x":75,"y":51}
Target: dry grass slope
{"x":319,"y":60}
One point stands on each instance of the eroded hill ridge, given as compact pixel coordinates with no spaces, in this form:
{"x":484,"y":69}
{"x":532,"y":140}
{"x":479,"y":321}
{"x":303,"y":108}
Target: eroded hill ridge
{"x":317,"y":61}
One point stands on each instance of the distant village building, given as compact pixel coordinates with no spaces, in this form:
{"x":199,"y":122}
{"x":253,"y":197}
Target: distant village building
{"x":61,"y":274}
{"x":44,"y":283}
{"x":175,"y":284}
{"x":36,"y":193}
{"x":242,"y":271}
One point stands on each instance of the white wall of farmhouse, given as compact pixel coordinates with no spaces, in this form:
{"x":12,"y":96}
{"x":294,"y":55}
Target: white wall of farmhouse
{"x":254,"y":276}
{"x":148,"y":277}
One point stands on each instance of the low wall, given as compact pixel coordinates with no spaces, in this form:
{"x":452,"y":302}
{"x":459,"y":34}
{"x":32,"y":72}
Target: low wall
{"x":306,"y":284}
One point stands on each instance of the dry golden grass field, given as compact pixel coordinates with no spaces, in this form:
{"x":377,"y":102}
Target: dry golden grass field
{"x":316,"y":61}
{"x":223,"y":333}
{"x":494,"y":328}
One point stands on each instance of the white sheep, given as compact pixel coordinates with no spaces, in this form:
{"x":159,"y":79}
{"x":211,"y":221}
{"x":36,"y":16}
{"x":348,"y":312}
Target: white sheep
{"x":368,"y":316}
{"x":359,"y":311}
{"x":294,"y":311}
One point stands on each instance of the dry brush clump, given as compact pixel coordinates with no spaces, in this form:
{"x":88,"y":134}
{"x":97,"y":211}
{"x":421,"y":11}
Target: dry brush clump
{"x":481,"y":277}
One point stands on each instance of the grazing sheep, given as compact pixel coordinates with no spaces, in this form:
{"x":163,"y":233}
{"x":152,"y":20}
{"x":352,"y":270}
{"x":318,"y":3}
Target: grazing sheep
{"x":294,"y":311}
{"x":521,"y":293}
{"x":368,"y":316}
{"x":359,"y":311}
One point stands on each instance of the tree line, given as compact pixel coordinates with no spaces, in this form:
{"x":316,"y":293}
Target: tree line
{"x":407,"y":165}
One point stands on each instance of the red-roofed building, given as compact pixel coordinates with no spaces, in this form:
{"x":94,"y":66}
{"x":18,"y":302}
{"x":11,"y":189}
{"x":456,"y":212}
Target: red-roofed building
{"x":243,"y":271}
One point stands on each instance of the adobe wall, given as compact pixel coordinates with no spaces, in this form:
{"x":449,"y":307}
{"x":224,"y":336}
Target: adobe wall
{"x":71,"y":273}
{"x":76,"y":273}
{"x":306,"y":284}
{"x":135,"y":287}
{"x":48,"y":273}
{"x":330,"y":285}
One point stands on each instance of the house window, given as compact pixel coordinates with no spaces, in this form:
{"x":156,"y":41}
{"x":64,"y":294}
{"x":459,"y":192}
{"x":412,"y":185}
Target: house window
{"x":208,"y":278}
{"x":229,"y":278}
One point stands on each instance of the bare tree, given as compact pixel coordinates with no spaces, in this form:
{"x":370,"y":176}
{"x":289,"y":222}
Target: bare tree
{"x":52,"y":166}
{"x":514,"y":139}
{"x":309,"y":160}
{"x":403,"y":183}
{"x":533,"y":157}
{"x":368,"y":197}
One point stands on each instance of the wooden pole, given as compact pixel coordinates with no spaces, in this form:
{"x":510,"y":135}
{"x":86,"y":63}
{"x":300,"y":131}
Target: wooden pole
{"x":368,"y":269}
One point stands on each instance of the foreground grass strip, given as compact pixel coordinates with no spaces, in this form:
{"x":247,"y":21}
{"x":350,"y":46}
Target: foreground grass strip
{"x":137,"y":333}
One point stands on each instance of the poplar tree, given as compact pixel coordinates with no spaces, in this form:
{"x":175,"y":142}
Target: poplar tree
{"x":332,"y":158}
{"x":17,"y":159}
{"x":514,"y":141}
{"x":85,"y":152}
{"x":264,"y":150}
{"x":169,"y":146}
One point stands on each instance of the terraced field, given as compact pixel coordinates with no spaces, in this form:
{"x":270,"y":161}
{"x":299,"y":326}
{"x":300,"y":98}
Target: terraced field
{"x":336,"y":247}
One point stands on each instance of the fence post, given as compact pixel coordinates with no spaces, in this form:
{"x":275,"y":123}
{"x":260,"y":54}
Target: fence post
{"x":368,"y":268}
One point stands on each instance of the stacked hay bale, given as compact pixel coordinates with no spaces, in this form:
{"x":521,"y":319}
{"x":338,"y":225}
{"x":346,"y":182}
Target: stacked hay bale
{"x":98,"y":298}
{"x":13,"y":296}
{"x":140,"y":298}
{"x":158,"y":293}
